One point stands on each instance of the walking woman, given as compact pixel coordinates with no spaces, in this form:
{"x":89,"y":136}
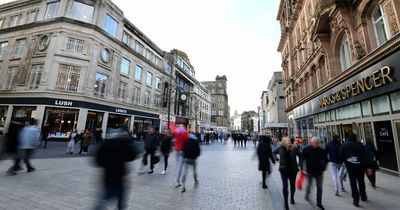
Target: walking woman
{"x":86,"y":140}
{"x":288,"y":168}
{"x":165,"y":146}
{"x":71,"y":143}
{"x":264,"y":153}
{"x":372,"y":163}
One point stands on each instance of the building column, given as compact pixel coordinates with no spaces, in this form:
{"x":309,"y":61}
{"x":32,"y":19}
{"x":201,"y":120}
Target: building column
{"x":104,"y":124}
{"x":8,"y":118}
{"x":40,"y":111}
{"x":132,"y":123}
{"x":82,"y":119}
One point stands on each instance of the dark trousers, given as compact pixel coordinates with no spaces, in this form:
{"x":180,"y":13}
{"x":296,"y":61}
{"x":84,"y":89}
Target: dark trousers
{"x":357,"y":184}
{"x":319,"y":180}
{"x":112,"y":192}
{"x":145,"y":155}
{"x":286,"y":180}
{"x":372,"y":177}
{"x":166,"y":155}
{"x":26,"y":155}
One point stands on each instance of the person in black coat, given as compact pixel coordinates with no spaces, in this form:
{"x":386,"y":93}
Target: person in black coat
{"x":264,"y":153}
{"x":288,"y":168}
{"x":112,"y":156}
{"x":165,"y":146}
{"x":315,"y":160}
{"x":352,"y":153}
{"x":150,"y":146}
{"x":191,"y":151}
{"x":372,"y":162}
{"x":11,"y":144}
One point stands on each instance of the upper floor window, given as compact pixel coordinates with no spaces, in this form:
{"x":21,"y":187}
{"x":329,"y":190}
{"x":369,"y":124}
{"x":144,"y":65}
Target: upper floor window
{"x":345,"y":59}
{"x":1,"y":23}
{"x":100,"y":84}
{"x":14,"y":20}
{"x":149,"y":78}
{"x":82,"y":12}
{"x":379,"y":24}
{"x":68,"y":78}
{"x":110,"y":25}
{"x":35,"y":76}
{"x":52,"y":10}
{"x":32,"y":16}
{"x":11,"y":79}
{"x":136,"y":95}
{"x":75,"y":45}
{"x":138,"y":73}
{"x":3,"y":49}
{"x":125,"y":65}
{"x":149,"y":55}
{"x":158,"y":82}
{"x":125,"y":38}
{"x":139,"y":48}
{"x":157,"y":61}
{"x":122,"y":91}
{"x":19,"y":48}
{"x":147,"y":98}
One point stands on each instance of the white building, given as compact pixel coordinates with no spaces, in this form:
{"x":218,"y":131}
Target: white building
{"x":237,"y":121}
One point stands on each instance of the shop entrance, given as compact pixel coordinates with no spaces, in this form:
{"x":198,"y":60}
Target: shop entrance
{"x":118,"y":121}
{"x":385,"y":145}
{"x":94,"y":120}
{"x":60,"y":121}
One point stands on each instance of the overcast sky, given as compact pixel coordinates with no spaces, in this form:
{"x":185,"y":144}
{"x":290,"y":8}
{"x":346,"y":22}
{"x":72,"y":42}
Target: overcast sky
{"x":236,"y":38}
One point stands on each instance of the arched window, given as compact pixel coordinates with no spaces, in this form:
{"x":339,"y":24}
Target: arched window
{"x":345,"y":60}
{"x":379,"y":24}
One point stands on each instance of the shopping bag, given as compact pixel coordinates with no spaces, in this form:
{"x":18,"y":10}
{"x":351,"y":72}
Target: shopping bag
{"x":300,"y":180}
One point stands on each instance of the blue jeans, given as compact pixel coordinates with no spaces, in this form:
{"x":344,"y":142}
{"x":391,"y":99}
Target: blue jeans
{"x":180,"y":161}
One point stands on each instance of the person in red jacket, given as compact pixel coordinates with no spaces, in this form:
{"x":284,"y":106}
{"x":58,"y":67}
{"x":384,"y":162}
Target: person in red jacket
{"x":181,"y":136}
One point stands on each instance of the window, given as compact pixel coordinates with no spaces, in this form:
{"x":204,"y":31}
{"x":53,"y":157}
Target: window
{"x":32,"y":15}
{"x":110,"y":25}
{"x":149,"y":78}
{"x":345,"y":60}
{"x":122,"y":91}
{"x":100,"y":84}
{"x":157,"y":101}
{"x":3,"y":49}
{"x":157,"y":61}
{"x":138,"y":73}
{"x":147,"y":98}
{"x":19,"y":48}
{"x":82,"y":12}
{"x":149,"y":55}
{"x":158,"y":82}
{"x":168,"y":69}
{"x":380,"y":105}
{"x":213,"y":91}
{"x":379,"y":24}
{"x":1,"y":23}
{"x":68,"y":78}
{"x":35,"y":76}
{"x":125,"y":65}
{"x":75,"y":45}
{"x":52,"y":10}
{"x":136,"y":95}
{"x":11,"y":80}
{"x":14,"y":21}
{"x":105,"y":55}
{"x":139,"y":48}
{"x":366,"y":109}
{"x":395,"y":100}
{"x":125,"y":38}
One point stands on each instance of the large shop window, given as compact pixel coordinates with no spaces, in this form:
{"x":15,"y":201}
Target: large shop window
{"x":380,"y":105}
{"x":118,"y":121}
{"x":395,"y":100}
{"x":24,"y":114}
{"x":366,"y":108}
{"x":3,"y":116}
{"x":94,"y":120}
{"x":61,"y":121}
{"x":348,"y":112}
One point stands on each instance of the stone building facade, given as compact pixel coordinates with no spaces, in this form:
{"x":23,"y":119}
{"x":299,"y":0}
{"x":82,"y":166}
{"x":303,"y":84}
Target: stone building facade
{"x":341,"y":71}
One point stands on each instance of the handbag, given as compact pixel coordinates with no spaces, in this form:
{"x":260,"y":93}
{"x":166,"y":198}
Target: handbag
{"x":300,"y":180}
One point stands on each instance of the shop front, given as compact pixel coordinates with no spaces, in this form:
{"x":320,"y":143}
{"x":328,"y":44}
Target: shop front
{"x":367,"y":104}
{"x":94,"y":120}
{"x":183,"y":122}
{"x":60,"y":122}
{"x":3,"y":117}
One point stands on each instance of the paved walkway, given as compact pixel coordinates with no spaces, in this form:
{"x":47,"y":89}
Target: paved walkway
{"x":228,"y":180}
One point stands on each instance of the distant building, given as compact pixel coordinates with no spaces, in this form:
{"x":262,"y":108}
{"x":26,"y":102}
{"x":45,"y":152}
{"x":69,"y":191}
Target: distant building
{"x":236,"y":122}
{"x":248,"y":121}
{"x":276,"y":122}
{"x":263,"y":112}
{"x":220,"y":110}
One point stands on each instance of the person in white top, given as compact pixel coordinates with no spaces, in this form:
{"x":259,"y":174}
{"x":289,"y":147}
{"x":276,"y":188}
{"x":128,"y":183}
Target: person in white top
{"x":71,"y":144}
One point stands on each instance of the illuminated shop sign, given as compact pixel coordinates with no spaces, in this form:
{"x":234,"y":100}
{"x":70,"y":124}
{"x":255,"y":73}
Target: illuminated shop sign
{"x":376,"y":79}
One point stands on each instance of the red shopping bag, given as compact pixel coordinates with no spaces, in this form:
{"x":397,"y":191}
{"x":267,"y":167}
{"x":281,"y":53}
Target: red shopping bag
{"x":300,"y":180}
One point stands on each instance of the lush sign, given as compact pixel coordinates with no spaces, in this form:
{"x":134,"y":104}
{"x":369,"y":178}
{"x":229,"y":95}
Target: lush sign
{"x":376,"y":79}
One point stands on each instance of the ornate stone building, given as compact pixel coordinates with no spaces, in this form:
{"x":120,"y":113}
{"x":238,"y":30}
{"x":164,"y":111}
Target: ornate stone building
{"x":340,"y":60}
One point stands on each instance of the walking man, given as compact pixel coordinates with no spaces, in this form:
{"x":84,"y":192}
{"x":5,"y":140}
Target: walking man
{"x":191,"y":152}
{"x":314,"y":159}
{"x":165,"y":146}
{"x":150,"y":146}
{"x":352,"y":153}
{"x":28,"y":142}
{"x":333,"y":149}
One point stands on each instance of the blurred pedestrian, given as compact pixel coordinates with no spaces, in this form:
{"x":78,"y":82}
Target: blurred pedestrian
{"x":112,"y":156}
{"x":191,"y":153}
{"x":333,"y":149}
{"x":71,"y":143}
{"x":352,"y":153}
{"x":181,"y":136}
{"x":315,"y":160}
{"x":97,"y":135}
{"x":264,"y":153}
{"x":165,"y":146}
{"x":150,"y":146}
{"x":86,"y":140}
{"x":245,"y":140}
{"x":45,"y":134}
{"x":28,"y":142}
{"x":11,"y":144}
{"x":288,"y":168}
{"x":372,"y":162}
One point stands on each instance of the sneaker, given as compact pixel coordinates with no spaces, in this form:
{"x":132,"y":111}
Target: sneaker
{"x":196,"y":183}
{"x":264,"y":186}
{"x":356,"y":204}
{"x":31,"y":170}
{"x":292,"y":201}
{"x":342,"y":189}
{"x":320,"y":206}
{"x":364,"y":198}
{"x":337,"y":193}
{"x":178,"y":184}
{"x":163,"y":172}
{"x":150,"y":172}
{"x":183,"y":190}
